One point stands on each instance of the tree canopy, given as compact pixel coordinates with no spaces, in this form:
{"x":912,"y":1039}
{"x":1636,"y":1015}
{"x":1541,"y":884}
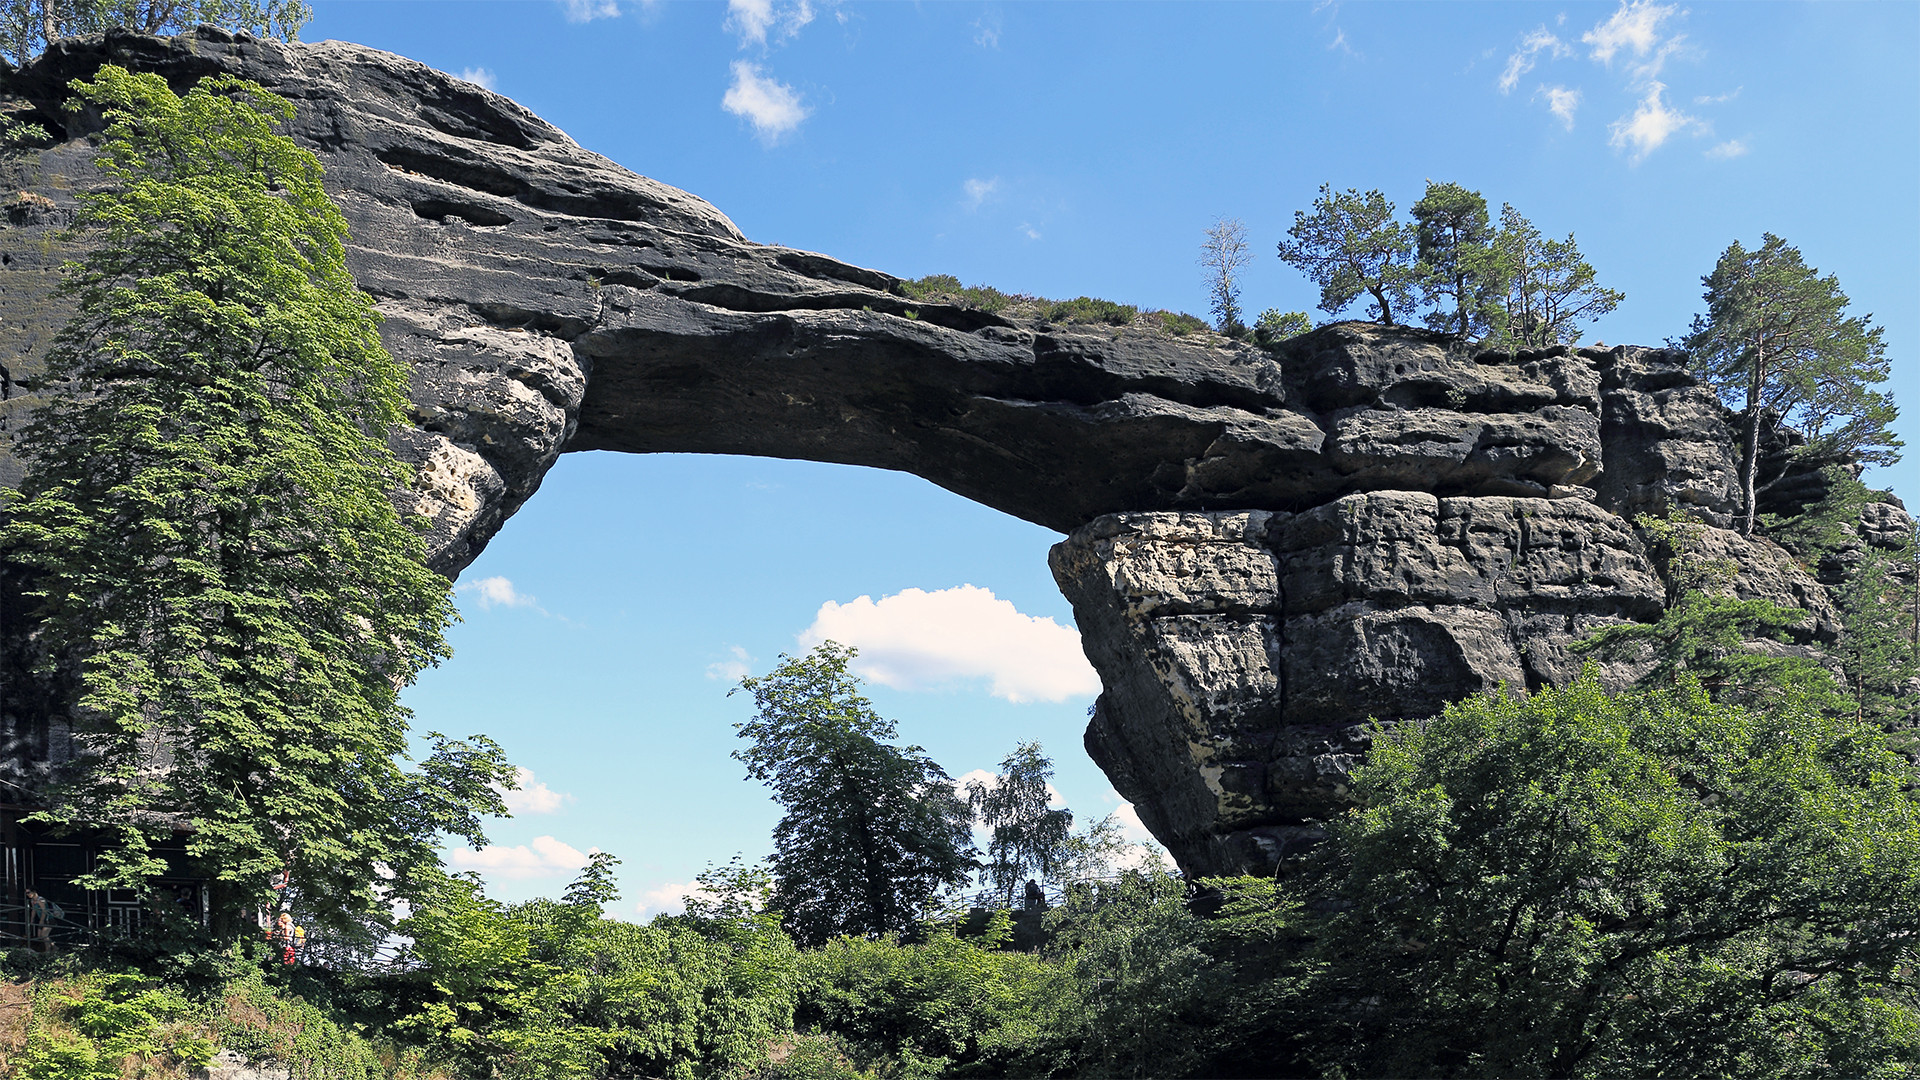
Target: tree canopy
{"x":1550,"y":287}
{"x":1224,"y":255}
{"x":1351,"y":245}
{"x":207,"y":521}
{"x":1778,"y":345}
{"x":873,"y":832}
{"x":27,"y":27}
{"x":1459,"y":266}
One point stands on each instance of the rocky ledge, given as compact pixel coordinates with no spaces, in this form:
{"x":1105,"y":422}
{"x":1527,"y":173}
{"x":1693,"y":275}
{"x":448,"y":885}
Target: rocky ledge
{"x":1266,"y":549}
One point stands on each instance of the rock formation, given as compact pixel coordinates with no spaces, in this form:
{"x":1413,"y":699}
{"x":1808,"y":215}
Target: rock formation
{"x":1266,"y":549}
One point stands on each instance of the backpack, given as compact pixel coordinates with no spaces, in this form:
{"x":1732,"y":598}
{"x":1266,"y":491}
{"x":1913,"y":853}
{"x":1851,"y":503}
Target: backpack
{"x":55,"y":911}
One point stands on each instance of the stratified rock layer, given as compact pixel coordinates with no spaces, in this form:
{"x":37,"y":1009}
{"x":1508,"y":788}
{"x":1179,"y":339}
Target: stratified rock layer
{"x":1266,"y":549}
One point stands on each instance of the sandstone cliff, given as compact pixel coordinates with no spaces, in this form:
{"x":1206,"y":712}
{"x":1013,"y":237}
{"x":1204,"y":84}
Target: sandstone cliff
{"x":1265,"y":550}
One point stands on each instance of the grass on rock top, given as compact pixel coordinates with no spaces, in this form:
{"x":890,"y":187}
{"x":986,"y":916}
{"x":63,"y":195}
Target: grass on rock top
{"x":946,"y":289}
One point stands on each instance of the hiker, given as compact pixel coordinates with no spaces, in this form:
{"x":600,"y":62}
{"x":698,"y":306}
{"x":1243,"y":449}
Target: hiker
{"x":288,"y":938}
{"x":41,"y":913}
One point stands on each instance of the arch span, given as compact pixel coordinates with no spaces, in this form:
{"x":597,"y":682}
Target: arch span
{"x":1265,"y":550}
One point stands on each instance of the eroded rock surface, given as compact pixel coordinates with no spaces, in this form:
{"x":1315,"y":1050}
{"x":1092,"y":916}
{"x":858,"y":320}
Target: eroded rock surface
{"x":1266,"y":549}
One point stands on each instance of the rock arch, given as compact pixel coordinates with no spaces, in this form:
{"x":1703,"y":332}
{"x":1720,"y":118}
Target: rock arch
{"x":1264,"y":550}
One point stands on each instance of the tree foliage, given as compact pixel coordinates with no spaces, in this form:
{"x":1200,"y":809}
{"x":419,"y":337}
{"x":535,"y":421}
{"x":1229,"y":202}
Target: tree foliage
{"x":1777,"y":344}
{"x":873,"y":832}
{"x":1459,"y":266}
{"x":1352,"y":245}
{"x":1550,"y":288}
{"x":1224,"y":255}
{"x":1584,"y":884}
{"x":207,"y":519}
{"x":1026,"y":838}
{"x":1708,"y":636}
{"x":27,"y":27}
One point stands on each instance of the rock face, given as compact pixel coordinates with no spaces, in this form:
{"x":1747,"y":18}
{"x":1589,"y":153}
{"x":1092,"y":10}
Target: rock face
{"x":1266,"y":549}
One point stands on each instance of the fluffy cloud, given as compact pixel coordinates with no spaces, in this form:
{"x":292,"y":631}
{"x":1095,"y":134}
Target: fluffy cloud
{"x":496,"y":591}
{"x":668,"y":899}
{"x":1634,"y":27}
{"x":753,"y":20}
{"x":1562,"y":102}
{"x":917,"y":639}
{"x":580,"y":11}
{"x":771,"y":107}
{"x":1651,"y":124}
{"x":1523,"y":58}
{"x":478,"y":76}
{"x":532,"y":796}
{"x":543,"y":857}
{"x":732,"y":670}
{"x":1732,"y":148}
{"x":979,"y":191}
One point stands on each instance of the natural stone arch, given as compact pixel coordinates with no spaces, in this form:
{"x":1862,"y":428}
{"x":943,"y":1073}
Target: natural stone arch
{"x":1265,"y":550}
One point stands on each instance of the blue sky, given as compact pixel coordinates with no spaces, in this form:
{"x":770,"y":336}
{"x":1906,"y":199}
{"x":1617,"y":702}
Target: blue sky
{"x":1067,"y":149}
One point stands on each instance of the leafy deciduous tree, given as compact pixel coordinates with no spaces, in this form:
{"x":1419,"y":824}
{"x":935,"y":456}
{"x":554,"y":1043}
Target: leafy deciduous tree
{"x":1026,"y":837}
{"x":1352,"y":245}
{"x":1275,"y":326}
{"x":873,"y":832}
{"x":1776,"y":343}
{"x":207,"y":518}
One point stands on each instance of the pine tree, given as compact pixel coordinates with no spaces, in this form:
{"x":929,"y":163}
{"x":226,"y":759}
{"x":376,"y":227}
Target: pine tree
{"x":1460,"y":271}
{"x":27,"y":27}
{"x":1550,"y":287}
{"x":1351,"y":245}
{"x":207,"y":521}
{"x":1777,"y":344}
{"x":873,"y":832}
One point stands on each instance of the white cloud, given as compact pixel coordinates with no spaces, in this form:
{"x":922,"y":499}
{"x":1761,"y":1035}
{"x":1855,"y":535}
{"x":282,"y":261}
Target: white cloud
{"x":496,"y":592}
{"x":478,"y":76}
{"x":734,"y":669}
{"x":1523,"y":58}
{"x":979,"y":191}
{"x":1562,"y":102}
{"x":1718,"y":99}
{"x":542,"y":857}
{"x":1635,"y":26}
{"x":669,"y":899}
{"x":771,"y":107}
{"x":1029,"y":231}
{"x":580,"y":11}
{"x":986,"y":32}
{"x":1651,"y":124}
{"x":1732,"y":148}
{"x":532,"y":796}
{"x":753,"y":20}
{"x":916,"y":639}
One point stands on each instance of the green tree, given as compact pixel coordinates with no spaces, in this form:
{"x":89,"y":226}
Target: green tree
{"x":873,"y":832}
{"x":1776,"y":343}
{"x":1579,"y":884}
{"x":1459,"y":269}
{"x":1224,"y":255}
{"x":207,"y":521}
{"x":27,"y":27}
{"x":1550,"y":287}
{"x":1707,"y":636}
{"x":1352,"y":245}
{"x":1275,"y":326}
{"x":1027,"y":839}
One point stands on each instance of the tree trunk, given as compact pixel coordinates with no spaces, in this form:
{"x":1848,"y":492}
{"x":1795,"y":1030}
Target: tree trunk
{"x":1750,"y":468}
{"x":1386,"y":312}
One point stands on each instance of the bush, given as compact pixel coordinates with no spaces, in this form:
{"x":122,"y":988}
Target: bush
{"x":945,"y":1006}
{"x":946,"y":289}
